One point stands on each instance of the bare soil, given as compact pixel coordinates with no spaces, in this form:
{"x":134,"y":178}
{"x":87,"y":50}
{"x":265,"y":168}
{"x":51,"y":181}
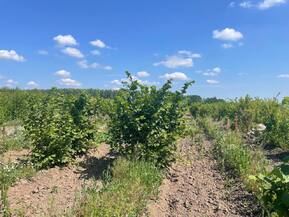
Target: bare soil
{"x":193,"y":187}
{"x":15,"y":156}
{"x":52,"y":192}
{"x":197,"y":189}
{"x":9,"y":130}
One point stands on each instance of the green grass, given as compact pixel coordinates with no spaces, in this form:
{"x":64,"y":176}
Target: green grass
{"x":12,"y":172}
{"x":9,"y":174}
{"x":209,"y":127}
{"x":127,"y":188}
{"x":232,"y":154}
{"x":14,"y":142}
{"x":234,"y":157}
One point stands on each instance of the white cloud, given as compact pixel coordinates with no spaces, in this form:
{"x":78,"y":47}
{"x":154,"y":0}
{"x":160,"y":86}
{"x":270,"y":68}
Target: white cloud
{"x":10,"y":83}
{"x":175,"y":76}
{"x":217,"y":70}
{"x":32,"y":84}
{"x":65,"y":79}
{"x":266,"y":4}
{"x":85,"y":65}
{"x":120,"y":81}
{"x":227,"y":34}
{"x":212,"y":82}
{"x":232,"y":4}
{"x":150,"y":83}
{"x":95,"y":52}
{"x":98,"y":43}
{"x":11,"y":55}
{"x":144,"y":82}
{"x":246,"y":4}
{"x":143,"y":74}
{"x":73,"y":52}
{"x":283,"y":76}
{"x":189,"y":54}
{"x":65,"y":40}
{"x":175,"y":62}
{"x":212,"y":72}
{"x":108,"y":68}
{"x":43,"y":52}
{"x":115,"y":88}
{"x":227,"y":45}
{"x":69,"y":82}
{"x":262,"y":5}
{"x":116,"y":82}
{"x":62,"y":73}
{"x":183,"y":58}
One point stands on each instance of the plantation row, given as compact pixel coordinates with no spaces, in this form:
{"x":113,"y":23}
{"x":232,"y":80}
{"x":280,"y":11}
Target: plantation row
{"x":144,"y":122}
{"x":241,"y":130}
{"x":15,"y":103}
{"x":59,"y":127}
{"x":240,"y":160}
{"x":142,"y":125}
{"x":246,"y":113}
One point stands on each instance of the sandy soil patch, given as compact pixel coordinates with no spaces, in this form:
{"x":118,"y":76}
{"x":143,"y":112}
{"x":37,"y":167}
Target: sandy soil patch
{"x":52,"y":192}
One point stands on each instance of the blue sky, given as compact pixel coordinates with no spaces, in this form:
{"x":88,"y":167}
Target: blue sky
{"x":230,"y":48}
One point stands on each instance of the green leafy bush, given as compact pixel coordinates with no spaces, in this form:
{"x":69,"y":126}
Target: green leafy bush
{"x":59,"y":128}
{"x":217,"y":110}
{"x":277,"y":131}
{"x":285,"y":101}
{"x":273,"y":191}
{"x":146,"y":121}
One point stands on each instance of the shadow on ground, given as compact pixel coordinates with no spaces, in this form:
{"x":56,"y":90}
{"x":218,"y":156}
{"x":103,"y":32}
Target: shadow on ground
{"x":94,"y":167}
{"x":276,"y":154}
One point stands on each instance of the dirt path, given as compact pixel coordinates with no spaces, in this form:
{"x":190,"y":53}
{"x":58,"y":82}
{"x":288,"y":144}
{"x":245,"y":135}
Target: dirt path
{"x":51,"y":192}
{"x":194,"y":190}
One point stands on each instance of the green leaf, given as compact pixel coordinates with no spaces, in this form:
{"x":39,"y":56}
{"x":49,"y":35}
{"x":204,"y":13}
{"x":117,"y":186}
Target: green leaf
{"x":285,"y":159}
{"x":253,"y":178}
{"x":285,"y":169}
{"x":285,"y":199}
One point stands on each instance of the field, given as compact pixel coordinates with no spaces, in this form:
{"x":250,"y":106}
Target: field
{"x":142,"y":151}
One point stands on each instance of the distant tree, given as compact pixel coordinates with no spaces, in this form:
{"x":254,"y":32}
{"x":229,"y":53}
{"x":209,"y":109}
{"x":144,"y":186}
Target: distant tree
{"x":213,"y":99}
{"x":194,"y":99}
